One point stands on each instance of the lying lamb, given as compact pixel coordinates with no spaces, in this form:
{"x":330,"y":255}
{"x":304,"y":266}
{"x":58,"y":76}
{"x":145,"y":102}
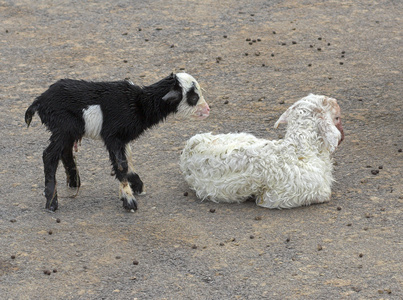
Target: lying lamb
{"x":115,"y":112}
{"x":285,"y":173}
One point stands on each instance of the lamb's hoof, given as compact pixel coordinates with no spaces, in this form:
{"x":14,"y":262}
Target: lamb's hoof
{"x":129,"y":204}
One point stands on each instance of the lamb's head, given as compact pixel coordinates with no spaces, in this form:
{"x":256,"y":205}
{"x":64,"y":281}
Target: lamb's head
{"x":324,"y":112}
{"x":187,"y":94}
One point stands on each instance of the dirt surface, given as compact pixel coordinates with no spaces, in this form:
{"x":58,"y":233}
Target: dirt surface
{"x":174,"y":246}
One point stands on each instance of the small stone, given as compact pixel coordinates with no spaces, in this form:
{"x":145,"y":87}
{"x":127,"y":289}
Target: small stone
{"x":135,"y":262}
{"x":258,"y":218}
{"x":272,"y":55}
{"x":46,"y":272}
{"x":225,"y":36}
{"x":374,"y":172}
{"x":380,"y":167}
{"x":118,"y":257}
{"x":349,"y":224}
{"x":212,"y":210}
{"x":13,"y":220}
{"x":341,"y":63}
{"x":319,"y":49}
{"x":281,"y":102}
{"x":158,"y":28}
{"x":365,"y":228}
{"x":259,"y":40}
{"x":319,"y":247}
{"x":58,"y":220}
{"x":274,"y":32}
{"x":226,"y":102}
{"x":338,"y":208}
{"x":194,"y":247}
{"x":251,"y":237}
{"x":287,"y":240}
{"x":139,"y":29}
{"x":368,"y":215}
{"x":248,"y":39}
{"x":246,"y":54}
{"x":360,"y":255}
{"x":257,"y":53}
{"x":54,"y":270}
{"x":356,"y":289}
{"x":125,"y":33}
{"x":294,"y":42}
{"x":319,"y":38}
{"x":172,"y":46}
{"x":400,"y":150}
{"x":50,"y":232}
{"x":185,"y":194}
{"x":12,"y":256}
{"x":309,"y":65}
{"x":133,"y":278}
{"x":221,"y":244}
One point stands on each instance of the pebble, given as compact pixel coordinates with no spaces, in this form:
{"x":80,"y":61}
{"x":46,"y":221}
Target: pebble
{"x":258,"y":218}
{"x":287,"y":240}
{"x":46,"y":272}
{"x":221,"y":244}
{"x":54,"y":270}
{"x":251,"y":237}
{"x":360,"y":255}
{"x":13,"y":220}
{"x":185,"y":194}
{"x":338,"y":208}
{"x":118,"y":257}
{"x":226,"y":102}
{"x":400,"y":150}
{"x":212,"y":210}
{"x":58,"y":220}
{"x":194,"y":247}
{"x":12,"y":256}
{"x":319,"y":247}
{"x":135,"y":262}
{"x":50,"y":232}
{"x":374,"y":172}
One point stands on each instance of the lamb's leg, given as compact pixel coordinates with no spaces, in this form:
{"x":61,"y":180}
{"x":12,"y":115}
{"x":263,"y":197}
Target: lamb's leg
{"x":135,"y":182}
{"x":51,"y":157}
{"x":120,"y":166}
{"x":73,"y":179}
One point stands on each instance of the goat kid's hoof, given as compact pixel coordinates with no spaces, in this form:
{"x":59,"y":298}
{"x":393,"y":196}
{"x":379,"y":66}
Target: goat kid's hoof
{"x":136,"y":184}
{"x":129,"y":204}
{"x":52,"y":206}
{"x":74,"y":182}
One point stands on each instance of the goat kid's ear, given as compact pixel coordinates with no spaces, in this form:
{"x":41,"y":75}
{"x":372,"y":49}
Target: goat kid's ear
{"x":283,"y":118}
{"x":174,"y":95}
{"x":329,"y":132}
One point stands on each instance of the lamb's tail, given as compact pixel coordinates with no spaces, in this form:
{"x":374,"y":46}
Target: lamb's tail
{"x":31,"y":111}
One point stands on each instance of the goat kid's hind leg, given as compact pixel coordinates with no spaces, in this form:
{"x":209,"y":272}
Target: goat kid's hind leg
{"x":73,"y":178}
{"x":136,"y":184}
{"x":51,"y":157}
{"x":120,"y":166}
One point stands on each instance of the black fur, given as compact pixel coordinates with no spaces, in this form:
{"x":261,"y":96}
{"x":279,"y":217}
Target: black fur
{"x":127,"y":109}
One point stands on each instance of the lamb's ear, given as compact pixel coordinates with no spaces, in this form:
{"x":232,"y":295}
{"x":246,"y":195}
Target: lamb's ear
{"x":282,"y":119}
{"x":329,"y":132}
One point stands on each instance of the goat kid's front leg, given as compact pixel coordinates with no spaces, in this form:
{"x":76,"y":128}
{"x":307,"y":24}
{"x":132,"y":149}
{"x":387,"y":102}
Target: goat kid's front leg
{"x":135,"y":182}
{"x":121,"y":168}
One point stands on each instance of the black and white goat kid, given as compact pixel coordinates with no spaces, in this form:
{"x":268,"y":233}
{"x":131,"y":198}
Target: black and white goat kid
{"x":116,"y":112}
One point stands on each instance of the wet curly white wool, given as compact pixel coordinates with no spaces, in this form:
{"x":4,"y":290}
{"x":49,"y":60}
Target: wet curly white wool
{"x":291,"y":172}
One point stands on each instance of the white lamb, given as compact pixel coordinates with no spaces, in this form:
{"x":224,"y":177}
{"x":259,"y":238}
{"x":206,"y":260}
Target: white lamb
{"x":291,"y":172}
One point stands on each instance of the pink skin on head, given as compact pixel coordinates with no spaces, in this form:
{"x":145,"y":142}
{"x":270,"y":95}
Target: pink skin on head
{"x":337,"y":120}
{"x":202,"y":111}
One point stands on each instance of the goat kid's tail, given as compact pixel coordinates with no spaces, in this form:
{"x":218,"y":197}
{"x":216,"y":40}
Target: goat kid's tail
{"x":30,"y":112}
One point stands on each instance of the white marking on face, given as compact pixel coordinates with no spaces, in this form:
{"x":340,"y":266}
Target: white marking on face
{"x":93,"y":119}
{"x":201,"y":110}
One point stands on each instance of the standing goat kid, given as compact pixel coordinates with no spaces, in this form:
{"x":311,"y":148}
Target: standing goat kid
{"x":285,"y":173}
{"x":116,"y":112}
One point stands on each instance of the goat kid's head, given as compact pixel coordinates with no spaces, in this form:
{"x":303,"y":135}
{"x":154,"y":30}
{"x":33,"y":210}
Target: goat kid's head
{"x":324,"y":111}
{"x":188,"y":94}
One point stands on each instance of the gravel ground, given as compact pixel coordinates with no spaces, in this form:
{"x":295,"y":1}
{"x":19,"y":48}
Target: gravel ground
{"x":254,"y":59}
